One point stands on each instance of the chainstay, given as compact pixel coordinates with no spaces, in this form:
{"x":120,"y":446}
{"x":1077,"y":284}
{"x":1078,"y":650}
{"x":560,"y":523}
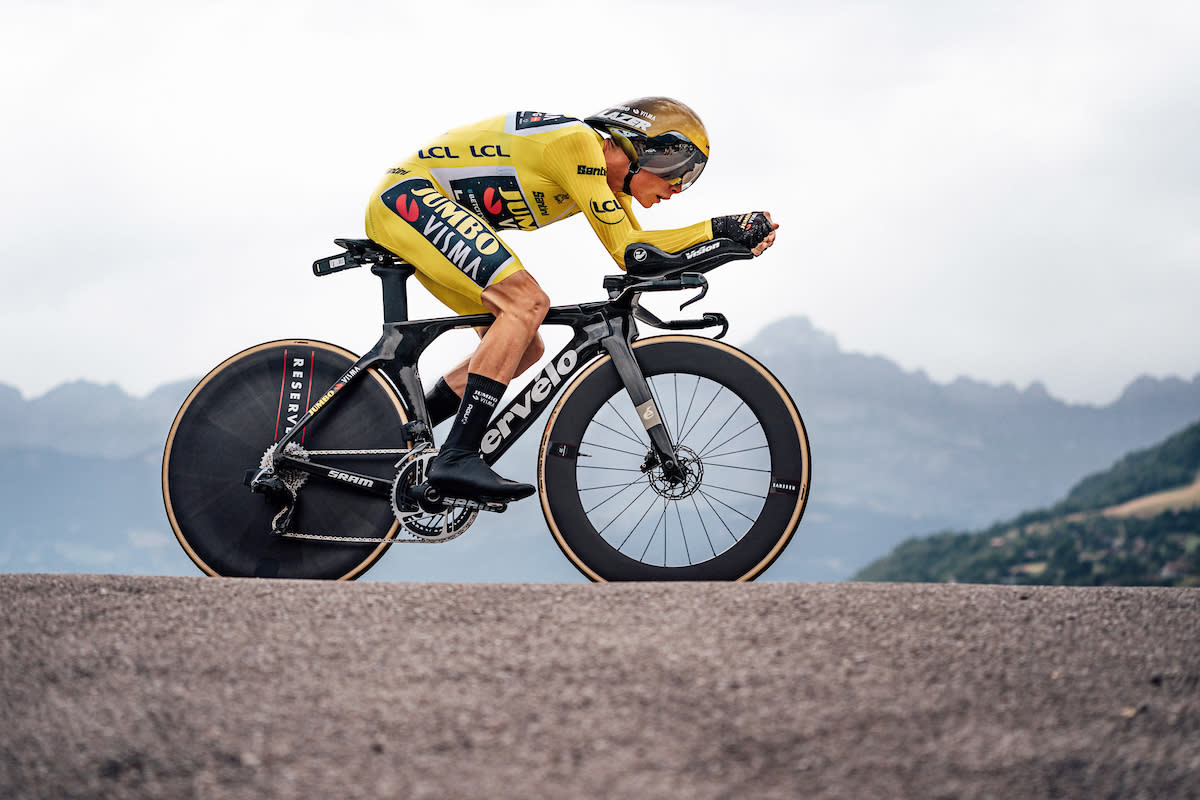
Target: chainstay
{"x":390,"y":452}
{"x":366,"y":539}
{"x":321,"y":537}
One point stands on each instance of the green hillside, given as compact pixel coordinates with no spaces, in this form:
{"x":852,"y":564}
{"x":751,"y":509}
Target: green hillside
{"x":1075,"y":543}
{"x":1173,"y":463}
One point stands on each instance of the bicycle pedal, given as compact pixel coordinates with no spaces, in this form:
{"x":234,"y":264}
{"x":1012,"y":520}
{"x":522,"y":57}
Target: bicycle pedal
{"x":475,"y":505}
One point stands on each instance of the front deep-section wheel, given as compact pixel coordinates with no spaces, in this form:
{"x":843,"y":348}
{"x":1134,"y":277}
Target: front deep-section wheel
{"x":221,"y":433}
{"x":737,"y":436}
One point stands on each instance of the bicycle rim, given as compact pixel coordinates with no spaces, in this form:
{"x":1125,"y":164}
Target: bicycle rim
{"x":739,"y":439}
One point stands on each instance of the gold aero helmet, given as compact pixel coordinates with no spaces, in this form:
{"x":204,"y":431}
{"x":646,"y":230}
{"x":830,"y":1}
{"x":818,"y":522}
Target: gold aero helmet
{"x":660,"y":135}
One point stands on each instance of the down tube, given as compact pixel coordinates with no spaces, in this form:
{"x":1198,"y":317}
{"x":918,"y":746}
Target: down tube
{"x":511,"y":423}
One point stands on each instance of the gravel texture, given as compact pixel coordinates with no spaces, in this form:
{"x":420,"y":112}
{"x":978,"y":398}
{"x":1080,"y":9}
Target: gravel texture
{"x":117,"y":686}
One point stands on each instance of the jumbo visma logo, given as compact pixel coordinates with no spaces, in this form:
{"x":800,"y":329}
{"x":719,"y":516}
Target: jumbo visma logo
{"x":460,"y":236}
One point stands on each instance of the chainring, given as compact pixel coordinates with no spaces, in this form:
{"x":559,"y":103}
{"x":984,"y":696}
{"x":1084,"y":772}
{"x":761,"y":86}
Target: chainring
{"x":429,"y":527}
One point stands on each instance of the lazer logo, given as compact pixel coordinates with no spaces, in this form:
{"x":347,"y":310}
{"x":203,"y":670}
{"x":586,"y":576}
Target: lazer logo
{"x":348,"y":478}
{"x":627,"y":120}
{"x":699,"y":251}
{"x":521,"y":408}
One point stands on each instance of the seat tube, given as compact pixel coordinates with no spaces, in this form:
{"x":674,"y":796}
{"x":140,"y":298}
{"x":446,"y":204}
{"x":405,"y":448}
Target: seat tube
{"x":395,"y":291}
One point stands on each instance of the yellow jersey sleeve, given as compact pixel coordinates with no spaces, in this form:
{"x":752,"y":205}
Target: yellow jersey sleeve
{"x":575,"y":161}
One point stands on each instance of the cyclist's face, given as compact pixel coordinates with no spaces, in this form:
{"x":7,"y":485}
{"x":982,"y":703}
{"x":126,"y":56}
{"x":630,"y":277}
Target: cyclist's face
{"x":647,"y":188}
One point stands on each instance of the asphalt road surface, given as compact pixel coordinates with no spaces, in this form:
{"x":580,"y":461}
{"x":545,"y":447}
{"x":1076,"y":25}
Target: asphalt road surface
{"x":197,"y":687}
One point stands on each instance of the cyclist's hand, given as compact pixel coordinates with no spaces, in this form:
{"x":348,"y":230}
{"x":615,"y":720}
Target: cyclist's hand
{"x":754,"y":230}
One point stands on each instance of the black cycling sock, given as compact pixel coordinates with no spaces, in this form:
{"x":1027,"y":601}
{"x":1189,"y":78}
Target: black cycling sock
{"x":481,"y":397}
{"x":441,"y":402}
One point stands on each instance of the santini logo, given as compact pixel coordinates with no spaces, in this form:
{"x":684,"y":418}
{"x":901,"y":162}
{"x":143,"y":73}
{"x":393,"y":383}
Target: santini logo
{"x":699,"y":251}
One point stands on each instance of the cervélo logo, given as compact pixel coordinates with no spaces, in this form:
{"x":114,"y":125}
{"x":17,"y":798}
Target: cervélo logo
{"x":522,"y":407}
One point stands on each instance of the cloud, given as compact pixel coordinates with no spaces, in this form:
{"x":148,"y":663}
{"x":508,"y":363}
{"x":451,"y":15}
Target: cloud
{"x":969,"y":189}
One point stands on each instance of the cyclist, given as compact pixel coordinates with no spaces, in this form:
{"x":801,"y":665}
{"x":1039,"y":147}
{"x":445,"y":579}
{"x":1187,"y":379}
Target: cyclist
{"x":441,"y":208}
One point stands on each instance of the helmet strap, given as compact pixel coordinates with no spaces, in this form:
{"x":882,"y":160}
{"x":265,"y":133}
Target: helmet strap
{"x":633,"y":168}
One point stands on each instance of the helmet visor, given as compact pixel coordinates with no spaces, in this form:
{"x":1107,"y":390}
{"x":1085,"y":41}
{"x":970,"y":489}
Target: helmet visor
{"x":672,"y":157}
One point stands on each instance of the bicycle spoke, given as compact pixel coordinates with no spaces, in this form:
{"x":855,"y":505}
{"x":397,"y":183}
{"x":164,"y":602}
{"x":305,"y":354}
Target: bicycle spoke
{"x":607,"y":486}
{"x":624,"y":417}
{"x":614,"y":449}
{"x":736,"y":452}
{"x":691,"y":400}
{"x":636,"y":525}
{"x":608,"y":469}
{"x":616,"y":494}
{"x":716,"y":394}
{"x":653,"y":533}
{"x":704,"y":527}
{"x":654,"y":393}
{"x":720,"y":519}
{"x":752,"y":425}
{"x":707,"y":496}
{"x":683,"y":534}
{"x":737,"y":491}
{"x":619,"y":433}
{"x":718,"y":431}
{"x":708,"y":464}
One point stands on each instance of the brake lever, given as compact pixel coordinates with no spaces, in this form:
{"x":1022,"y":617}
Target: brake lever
{"x":690,"y":280}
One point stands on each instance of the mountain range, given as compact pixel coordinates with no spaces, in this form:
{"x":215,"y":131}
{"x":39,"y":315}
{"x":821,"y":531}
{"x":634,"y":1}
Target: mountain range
{"x":895,"y":454}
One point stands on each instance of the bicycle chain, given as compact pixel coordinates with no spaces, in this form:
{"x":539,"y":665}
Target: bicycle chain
{"x":389,"y":540}
{"x":293,"y":480}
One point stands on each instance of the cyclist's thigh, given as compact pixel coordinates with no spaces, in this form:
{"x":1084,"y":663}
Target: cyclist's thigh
{"x":456,"y":253}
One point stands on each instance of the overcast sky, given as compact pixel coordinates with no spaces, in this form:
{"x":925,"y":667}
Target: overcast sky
{"x":1004,"y":190}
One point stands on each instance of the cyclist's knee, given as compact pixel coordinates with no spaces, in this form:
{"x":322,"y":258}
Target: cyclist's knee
{"x":535,"y":350}
{"x":518,"y":297}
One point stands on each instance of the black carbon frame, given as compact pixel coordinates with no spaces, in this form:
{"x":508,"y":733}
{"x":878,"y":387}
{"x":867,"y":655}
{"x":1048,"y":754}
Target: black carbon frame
{"x":600,"y":327}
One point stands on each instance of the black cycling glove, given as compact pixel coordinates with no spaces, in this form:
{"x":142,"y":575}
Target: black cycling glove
{"x":745,"y":229}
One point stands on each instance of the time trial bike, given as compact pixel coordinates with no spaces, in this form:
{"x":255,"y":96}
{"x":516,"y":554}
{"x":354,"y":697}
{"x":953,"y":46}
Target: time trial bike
{"x":676,"y":457}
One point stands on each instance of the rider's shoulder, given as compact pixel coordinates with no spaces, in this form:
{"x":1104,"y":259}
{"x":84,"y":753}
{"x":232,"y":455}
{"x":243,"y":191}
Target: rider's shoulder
{"x":542,"y":124}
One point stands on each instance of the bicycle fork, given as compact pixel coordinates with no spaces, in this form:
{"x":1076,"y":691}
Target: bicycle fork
{"x":617,"y":345}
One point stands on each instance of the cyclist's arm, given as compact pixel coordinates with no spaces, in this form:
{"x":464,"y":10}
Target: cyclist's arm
{"x":576,"y":163}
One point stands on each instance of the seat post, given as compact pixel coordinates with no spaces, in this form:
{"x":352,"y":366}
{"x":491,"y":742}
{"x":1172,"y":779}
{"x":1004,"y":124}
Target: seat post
{"x":395,"y":290}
